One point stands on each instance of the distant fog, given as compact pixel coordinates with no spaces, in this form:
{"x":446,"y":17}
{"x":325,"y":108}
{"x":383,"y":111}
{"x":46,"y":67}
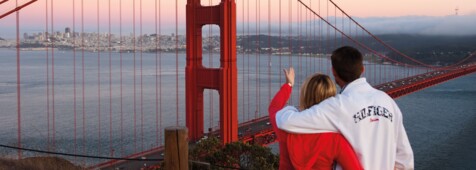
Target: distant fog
{"x":425,"y":25}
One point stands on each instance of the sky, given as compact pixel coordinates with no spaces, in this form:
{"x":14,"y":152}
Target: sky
{"x":33,"y":18}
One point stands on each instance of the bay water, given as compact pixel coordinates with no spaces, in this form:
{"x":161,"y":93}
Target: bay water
{"x":440,"y":121}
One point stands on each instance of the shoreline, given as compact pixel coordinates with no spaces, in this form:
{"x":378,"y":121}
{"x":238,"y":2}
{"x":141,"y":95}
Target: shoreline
{"x":151,"y":51}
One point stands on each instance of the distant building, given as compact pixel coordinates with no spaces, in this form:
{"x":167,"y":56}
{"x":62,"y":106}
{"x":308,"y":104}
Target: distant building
{"x":67,"y":32}
{"x":26,"y":36}
{"x":47,"y":36}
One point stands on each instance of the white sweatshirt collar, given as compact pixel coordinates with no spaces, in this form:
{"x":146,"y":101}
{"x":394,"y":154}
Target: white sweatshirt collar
{"x":354,"y":85}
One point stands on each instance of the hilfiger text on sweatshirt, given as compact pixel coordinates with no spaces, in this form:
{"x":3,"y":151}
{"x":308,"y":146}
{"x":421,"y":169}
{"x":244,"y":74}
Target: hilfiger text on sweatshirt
{"x":374,"y":113}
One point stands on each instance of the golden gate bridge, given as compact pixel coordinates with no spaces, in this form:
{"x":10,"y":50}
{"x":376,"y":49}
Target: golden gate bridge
{"x":256,"y":40}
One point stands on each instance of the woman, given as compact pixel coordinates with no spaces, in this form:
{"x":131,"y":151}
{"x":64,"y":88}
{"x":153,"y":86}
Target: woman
{"x":310,"y":151}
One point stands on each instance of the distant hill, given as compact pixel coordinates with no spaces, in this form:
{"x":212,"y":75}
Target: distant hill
{"x":430,"y":49}
{"x":1,"y":39}
{"x":455,"y":25}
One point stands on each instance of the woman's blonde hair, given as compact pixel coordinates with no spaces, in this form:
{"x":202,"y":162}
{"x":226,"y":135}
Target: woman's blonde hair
{"x":315,"y":89}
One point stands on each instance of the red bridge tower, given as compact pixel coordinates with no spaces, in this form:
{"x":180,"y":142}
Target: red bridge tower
{"x":223,"y":79}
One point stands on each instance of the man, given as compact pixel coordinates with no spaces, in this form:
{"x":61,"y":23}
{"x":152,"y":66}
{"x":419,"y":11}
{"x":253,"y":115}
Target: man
{"x":368,"y":118}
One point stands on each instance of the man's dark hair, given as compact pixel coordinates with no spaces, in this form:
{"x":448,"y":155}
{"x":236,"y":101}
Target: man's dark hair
{"x":347,"y":63}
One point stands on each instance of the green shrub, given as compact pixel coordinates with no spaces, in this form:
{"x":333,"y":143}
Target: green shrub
{"x":237,"y":154}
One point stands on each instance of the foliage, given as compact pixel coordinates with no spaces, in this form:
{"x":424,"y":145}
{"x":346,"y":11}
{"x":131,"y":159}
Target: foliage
{"x":237,"y":154}
{"x":38,"y":163}
{"x":205,"y":147}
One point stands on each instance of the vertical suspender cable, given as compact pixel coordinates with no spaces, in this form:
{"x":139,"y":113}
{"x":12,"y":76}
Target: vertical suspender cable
{"x":47,"y":37}
{"x":258,"y":66}
{"x":99,"y":79}
{"x":350,"y":34}
{"x":302,"y":25}
{"x":270,"y":50}
{"x":328,"y":45}
{"x":82,"y":83}
{"x":141,"y":81}
{"x":307,"y":50}
{"x":311,"y":40}
{"x":380,"y":71}
{"x":357,"y":32}
{"x":248,"y":57}
{"x":308,"y":39}
{"x":280,"y":44}
{"x":312,"y":44}
{"x":243,"y":62}
{"x":379,"y":65}
{"x":388,"y":70}
{"x":290,"y":24}
{"x":134,"y":49}
{"x":384,"y":68}
{"x":343,"y":30}
{"x":257,"y":59}
{"x":18,"y":84}
{"x":314,"y":29}
{"x":122,"y":42}
{"x":376,"y":79}
{"x":312,"y":19}
{"x":156,"y":80}
{"x":384,"y":65}
{"x":335,"y":29}
{"x":350,"y":29}
{"x":160,"y":76}
{"x":299,"y":24}
{"x":392,"y":68}
{"x":53,"y":77}
{"x":387,"y":66}
{"x":74,"y":76}
{"x":396,"y":68}
{"x":376,"y":70}
{"x":110,"y":81}
{"x":176,"y":63}
{"x":304,"y":40}
{"x":320,"y":39}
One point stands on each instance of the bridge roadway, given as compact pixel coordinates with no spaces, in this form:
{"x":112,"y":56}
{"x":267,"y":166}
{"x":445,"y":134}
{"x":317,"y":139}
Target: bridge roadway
{"x":259,"y":131}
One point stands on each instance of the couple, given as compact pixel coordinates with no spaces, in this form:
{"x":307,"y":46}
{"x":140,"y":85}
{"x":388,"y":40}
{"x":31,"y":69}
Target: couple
{"x":328,"y":128}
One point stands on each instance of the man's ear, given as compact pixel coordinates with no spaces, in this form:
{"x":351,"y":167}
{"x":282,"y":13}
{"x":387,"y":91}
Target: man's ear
{"x":363,"y":70}
{"x":337,"y":78}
